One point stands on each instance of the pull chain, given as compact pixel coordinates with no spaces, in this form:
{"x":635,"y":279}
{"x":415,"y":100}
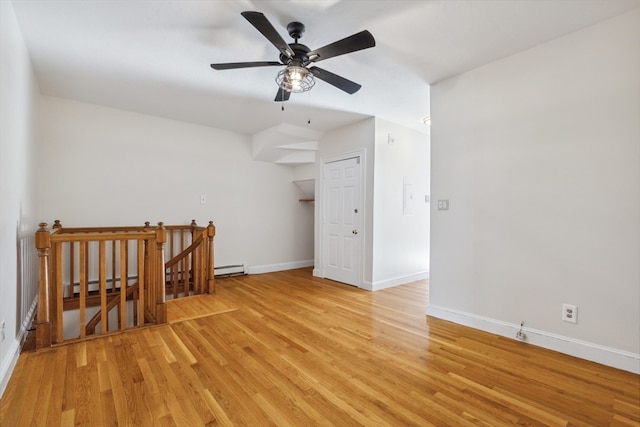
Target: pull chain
{"x":309,"y":106}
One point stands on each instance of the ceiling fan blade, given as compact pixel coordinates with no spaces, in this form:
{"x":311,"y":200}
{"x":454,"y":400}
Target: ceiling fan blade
{"x":232,"y":65}
{"x":335,"y":80}
{"x":263,"y":25}
{"x":359,"y":41}
{"x":282,"y":95}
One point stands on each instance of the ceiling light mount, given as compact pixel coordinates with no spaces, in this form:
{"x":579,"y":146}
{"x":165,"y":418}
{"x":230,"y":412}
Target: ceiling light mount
{"x":295,"y":30}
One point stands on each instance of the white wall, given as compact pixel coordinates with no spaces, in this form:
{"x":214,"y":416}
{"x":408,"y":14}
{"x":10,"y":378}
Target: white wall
{"x":102,"y":166}
{"x":539,"y":155}
{"x":18,"y":98}
{"x":400,"y":233}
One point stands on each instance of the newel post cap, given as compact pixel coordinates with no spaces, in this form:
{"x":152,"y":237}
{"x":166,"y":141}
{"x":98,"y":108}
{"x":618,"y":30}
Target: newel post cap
{"x":161,"y":233}
{"x":43,"y":237}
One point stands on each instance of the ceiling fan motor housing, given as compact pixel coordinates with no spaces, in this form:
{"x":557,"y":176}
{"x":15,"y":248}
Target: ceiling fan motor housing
{"x":300,"y":55}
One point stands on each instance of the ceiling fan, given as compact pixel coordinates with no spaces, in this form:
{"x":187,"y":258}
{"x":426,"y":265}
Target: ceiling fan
{"x":297,"y":76}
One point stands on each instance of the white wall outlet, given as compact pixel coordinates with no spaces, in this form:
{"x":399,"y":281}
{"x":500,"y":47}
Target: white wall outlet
{"x":203,"y":199}
{"x":570,"y":313}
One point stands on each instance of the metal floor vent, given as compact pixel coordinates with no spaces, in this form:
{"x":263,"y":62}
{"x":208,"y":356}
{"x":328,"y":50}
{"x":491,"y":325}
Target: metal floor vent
{"x":229,"y":270}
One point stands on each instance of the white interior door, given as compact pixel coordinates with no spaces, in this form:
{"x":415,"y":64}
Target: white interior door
{"x":341,"y":221}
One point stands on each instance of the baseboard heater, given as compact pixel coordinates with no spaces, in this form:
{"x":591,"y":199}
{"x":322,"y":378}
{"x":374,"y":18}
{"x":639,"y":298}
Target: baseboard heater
{"x":229,"y":270}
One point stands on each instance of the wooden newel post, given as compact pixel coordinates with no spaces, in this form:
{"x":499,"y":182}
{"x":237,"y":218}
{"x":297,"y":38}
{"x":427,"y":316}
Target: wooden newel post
{"x":211,"y":284}
{"x":161,"y":306}
{"x":192,"y":264}
{"x":147,"y":250}
{"x":43,"y":322}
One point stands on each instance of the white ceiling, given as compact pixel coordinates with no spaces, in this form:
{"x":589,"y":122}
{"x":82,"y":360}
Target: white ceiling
{"x":153,"y":56}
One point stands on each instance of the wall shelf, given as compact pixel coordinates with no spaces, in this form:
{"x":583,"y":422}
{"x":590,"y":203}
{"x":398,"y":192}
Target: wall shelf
{"x":307,"y":189}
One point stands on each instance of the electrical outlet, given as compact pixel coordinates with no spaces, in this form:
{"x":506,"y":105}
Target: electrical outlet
{"x":203,"y":199}
{"x":570,"y":313}
{"x":520,"y":335}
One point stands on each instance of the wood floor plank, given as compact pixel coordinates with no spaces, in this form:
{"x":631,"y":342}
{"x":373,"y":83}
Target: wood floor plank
{"x":287,"y":348}
{"x":27,"y":401}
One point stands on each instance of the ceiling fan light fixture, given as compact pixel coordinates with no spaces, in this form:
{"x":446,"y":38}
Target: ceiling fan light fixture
{"x":295,"y":78}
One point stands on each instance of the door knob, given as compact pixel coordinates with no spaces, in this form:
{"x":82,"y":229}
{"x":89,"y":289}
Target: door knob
{"x":355,"y":231}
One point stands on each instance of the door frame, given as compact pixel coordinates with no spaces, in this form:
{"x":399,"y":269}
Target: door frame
{"x":361,"y":154}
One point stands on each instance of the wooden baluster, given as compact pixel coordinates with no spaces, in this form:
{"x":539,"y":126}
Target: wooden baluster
{"x":83,"y":287}
{"x":57,"y":292}
{"x":211,"y":284}
{"x":170,"y":237}
{"x":149,"y":268}
{"x":56,"y":287}
{"x":102,"y":279}
{"x":43,"y":323}
{"x":113,"y":266}
{"x":122,"y":307}
{"x":126,"y":270}
{"x":174,"y":274}
{"x":196,"y":269}
{"x":202,"y":282}
{"x":72,"y":269}
{"x":161,"y":307}
{"x":181,"y":264}
{"x":202,"y":264}
{"x":134,"y":297}
{"x":187,"y":271}
{"x":141,"y":282}
{"x":194,"y":272}
{"x":86,"y":265}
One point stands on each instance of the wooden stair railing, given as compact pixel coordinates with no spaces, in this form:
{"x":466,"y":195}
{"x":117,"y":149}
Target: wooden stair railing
{"x":90,"y":328}
{"x":191,"y":270}
{"x":117,"y":276}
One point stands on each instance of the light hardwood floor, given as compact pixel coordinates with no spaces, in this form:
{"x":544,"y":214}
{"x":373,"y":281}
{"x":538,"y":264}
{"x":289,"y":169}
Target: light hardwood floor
{"x":289,"y":349}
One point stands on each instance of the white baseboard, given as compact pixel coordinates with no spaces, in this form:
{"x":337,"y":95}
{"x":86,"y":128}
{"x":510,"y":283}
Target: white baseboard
{"x":8,"y":364}
{"x":366,"y":285}
{"x":608,"y":356}
{"x":270,"y":268}
{"x":395,"y":281}
{"x":388,"y":283}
